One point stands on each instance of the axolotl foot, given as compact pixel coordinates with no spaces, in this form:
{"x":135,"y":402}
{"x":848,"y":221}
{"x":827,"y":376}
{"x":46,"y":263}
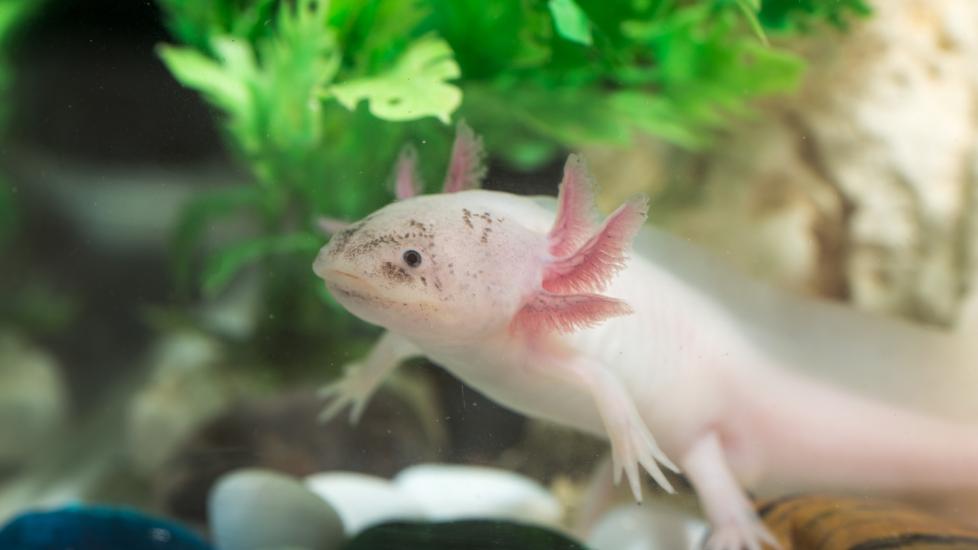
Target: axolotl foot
{"x":351,"y":390}
{"x":735,"y":525}
{"x":746,"y":533}
{"x":632,"y":447}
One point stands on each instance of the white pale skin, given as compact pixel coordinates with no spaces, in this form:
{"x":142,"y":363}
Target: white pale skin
{"x":734,"y":384}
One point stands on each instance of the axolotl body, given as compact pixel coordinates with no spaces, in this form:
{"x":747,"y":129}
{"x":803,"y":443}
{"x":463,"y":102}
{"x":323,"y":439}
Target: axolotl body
{"x":679,"y":362}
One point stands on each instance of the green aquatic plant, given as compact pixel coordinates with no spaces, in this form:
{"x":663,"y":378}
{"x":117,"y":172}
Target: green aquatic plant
{"x":309,"y":153}
{"x":317,"y":97}
{"x":271,"y":70}
{"x":13,"y":13}
{"x":800,"y":15}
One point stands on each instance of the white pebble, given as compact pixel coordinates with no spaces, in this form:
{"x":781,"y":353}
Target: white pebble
{"x":254,"y":509}
{"x":449,"y":492}
{"x":363,"y":500}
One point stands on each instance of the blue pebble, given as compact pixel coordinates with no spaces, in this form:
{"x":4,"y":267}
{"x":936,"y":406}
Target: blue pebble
{"x":96,"y":528}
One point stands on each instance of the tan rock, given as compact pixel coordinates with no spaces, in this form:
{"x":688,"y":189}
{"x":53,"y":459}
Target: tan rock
{"x":861,"y":185}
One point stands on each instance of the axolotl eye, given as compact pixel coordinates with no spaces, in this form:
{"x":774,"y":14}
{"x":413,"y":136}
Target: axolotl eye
{"x":412,"y":258}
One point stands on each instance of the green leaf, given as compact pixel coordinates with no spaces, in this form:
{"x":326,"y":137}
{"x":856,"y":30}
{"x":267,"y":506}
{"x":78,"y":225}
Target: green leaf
{"x":750,"y":9}
{"x":221,"y":86}
{"x":659,"y":117}
{"x":372,"y":33}
{"x":494,"y":39}
{"x":415,"y":87}
{"x":296,"y":66}
{"x":770,"y":70}
{"x":224,"y":265}
{"x":573,"y":117}
{"x":12,"y":13}
{"x":799,"y":15}
{"x":197,"y":22}
{"x":571,"y":21}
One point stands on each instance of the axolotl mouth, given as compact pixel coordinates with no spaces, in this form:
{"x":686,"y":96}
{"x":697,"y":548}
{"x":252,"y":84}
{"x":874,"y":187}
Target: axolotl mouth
{"x":361,"y":298}
{"x":347,"y":285}
{"x":337,"y":280}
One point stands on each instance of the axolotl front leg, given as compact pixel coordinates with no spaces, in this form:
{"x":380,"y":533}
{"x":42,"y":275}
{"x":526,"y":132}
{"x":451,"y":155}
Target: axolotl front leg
{"x":361,"y":379}
{"x":632,"y":443}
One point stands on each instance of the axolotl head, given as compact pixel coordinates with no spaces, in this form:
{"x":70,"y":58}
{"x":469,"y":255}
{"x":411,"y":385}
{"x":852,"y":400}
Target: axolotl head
{"x":462,"y":264}
{"x":448,"y":265}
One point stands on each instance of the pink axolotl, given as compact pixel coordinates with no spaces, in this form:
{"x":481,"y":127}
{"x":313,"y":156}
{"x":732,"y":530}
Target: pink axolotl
{"x":678,"y":361}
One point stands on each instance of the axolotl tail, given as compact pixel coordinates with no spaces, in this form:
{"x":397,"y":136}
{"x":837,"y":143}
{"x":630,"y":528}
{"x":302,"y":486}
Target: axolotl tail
{"x":813,"y":437}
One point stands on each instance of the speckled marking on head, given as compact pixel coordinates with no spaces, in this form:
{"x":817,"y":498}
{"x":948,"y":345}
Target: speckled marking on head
{"x":486,"y":217}
{"x":364,"y":248}
{"x":420,"y":229}
{"x":341,"y":239}
{"x":396,"y":273}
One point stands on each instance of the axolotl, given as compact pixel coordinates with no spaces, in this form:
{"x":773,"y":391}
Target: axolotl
{"x":625,"y":332}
